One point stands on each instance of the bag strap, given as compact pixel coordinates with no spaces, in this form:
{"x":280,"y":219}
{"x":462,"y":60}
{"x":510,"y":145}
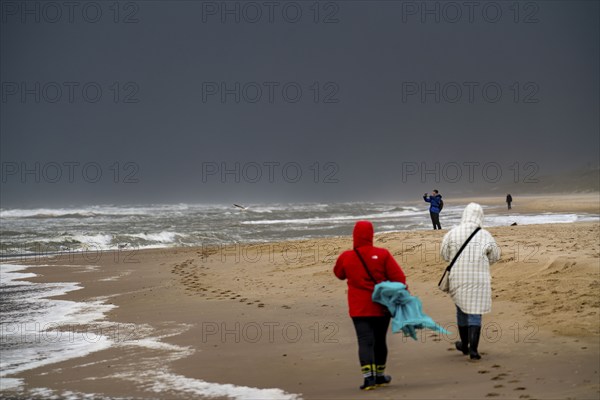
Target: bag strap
{"x":365,"y":265}
{"x":462,"y":248}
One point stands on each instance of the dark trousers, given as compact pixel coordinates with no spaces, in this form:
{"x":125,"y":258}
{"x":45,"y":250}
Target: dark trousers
{"x":508,"y":204}
{"x":371,"y":332}
{"x":435,"y":220}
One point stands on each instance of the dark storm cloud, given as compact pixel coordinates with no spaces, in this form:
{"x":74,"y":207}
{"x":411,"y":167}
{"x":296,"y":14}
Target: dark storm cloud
{"x":287,"y":101}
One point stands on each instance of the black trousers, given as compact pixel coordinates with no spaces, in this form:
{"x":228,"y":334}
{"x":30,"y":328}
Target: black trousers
{"x":371,"y":332}
{"x":435,"y":220}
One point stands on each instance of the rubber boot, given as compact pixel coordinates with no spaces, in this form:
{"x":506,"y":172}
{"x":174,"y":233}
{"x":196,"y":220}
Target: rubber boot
{"x":463,"y":345}
{"x":368,"y":372}
{"x":474,"y":333}
{"x":381,"y":379}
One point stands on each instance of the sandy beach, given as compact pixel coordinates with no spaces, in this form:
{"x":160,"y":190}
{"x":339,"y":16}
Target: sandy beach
{"x":274,"y":316}
{"x":179,"y":178}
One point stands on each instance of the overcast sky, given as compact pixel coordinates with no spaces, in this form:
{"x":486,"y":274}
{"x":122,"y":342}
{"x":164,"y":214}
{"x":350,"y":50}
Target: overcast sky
{"x":203,"y":102}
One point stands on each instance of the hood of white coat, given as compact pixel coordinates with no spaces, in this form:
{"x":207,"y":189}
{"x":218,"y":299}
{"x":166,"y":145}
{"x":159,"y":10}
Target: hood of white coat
{"x":473,"y":214}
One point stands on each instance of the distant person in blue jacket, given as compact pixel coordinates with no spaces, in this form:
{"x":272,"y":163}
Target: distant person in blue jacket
{"x":436,"y":204}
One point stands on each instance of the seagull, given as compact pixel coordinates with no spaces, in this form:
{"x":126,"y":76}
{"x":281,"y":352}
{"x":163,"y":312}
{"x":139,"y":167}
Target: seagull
{"x":238,"y":206}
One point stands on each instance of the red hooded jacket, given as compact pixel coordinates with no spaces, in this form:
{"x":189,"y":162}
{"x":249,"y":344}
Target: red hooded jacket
{"x":381,"y":264}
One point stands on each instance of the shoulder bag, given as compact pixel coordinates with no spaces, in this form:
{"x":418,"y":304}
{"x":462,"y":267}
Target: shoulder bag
{"x":444,"y":283}
{"x":365,"y":265}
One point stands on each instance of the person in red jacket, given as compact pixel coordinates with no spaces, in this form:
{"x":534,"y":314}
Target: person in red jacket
{"x":371,"y":320}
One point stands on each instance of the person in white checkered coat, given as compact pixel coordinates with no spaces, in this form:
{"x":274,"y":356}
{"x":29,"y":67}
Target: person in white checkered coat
{"x":470,"y":279}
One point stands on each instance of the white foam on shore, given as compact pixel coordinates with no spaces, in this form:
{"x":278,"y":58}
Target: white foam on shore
{"x":143,"y":339}
{"x":43,"y":331}
{"x":162,"y":381}
{"x":46,"y":393}
{"x":10,"y":383}
{"x":153,"y":374}
{"x":45,"y":313}
{"x":537,"y":219}
{"x":50,"y":348}
{"x":38,"y":337}
{"x":9,"y":273}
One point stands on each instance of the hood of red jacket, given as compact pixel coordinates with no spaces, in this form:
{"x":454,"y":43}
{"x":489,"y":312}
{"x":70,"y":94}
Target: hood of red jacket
{"x":363,"y":234}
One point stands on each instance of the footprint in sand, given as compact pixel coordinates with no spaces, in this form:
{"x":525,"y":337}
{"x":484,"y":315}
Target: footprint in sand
{"x":499,"y":377}
{"x":492,"y":395}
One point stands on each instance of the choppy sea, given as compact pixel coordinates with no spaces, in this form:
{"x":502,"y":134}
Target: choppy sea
{"x":43,"y":230}
{"x":32,"y":324}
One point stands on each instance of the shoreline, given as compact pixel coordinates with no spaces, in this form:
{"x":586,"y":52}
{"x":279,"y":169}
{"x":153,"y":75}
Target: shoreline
{"x":199,"y":311}
{"x":586,"y":206}
{"x":588,"y":202}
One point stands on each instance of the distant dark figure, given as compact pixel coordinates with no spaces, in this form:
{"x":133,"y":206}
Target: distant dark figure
{"x":508,"y":200}
{"x":434,"y":209}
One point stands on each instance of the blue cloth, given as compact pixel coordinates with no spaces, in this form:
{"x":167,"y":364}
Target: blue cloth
{"x":467,"y":319}
{"x":434,"y":201}
{"x":407,"y":312}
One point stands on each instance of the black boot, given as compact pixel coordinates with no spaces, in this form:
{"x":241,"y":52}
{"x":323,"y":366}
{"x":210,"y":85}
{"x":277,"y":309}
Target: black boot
{"x":382,"y":379}
{"x":368,"y":372}
{"x":463,"y":345}
{"x":474,"y":333}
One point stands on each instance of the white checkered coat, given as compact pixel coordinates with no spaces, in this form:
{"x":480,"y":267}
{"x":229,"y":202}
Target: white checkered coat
{"x":470,"y":280}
